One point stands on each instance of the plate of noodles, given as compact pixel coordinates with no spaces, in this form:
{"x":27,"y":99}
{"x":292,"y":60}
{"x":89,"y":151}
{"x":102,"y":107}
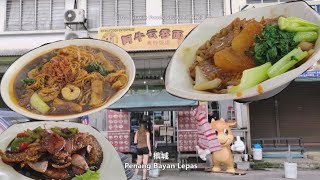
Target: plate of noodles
{"x":246,"y":56}
{"x":57,"y":150}
{"x":67,"y":79}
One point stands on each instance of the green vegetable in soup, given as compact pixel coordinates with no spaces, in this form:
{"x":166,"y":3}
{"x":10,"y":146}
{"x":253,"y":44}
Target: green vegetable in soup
{"x":37,"y":103}
{"x":287,"y":62}
{"x":96,"y":67}
{"x":295,"y":24}
{"x":272,"y":45}
{"x":251,"y":77}
{"x":28,"y":81}
{"x":305,"y":36}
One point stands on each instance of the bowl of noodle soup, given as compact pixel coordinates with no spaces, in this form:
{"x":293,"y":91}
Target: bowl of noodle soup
{"x":67,"y":79}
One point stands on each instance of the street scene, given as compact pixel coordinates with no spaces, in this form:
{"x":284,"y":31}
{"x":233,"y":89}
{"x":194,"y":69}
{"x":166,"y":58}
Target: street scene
{"x":159,"y":89}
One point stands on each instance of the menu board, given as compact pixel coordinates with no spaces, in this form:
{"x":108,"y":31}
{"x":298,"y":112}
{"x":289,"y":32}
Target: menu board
{"x":120,"y":140}
{"x":188,"y":128}
{"x":118,"y":121}
{"x":186,"y":119}
{"x":118,"y":130}
{"x":187,"y":140}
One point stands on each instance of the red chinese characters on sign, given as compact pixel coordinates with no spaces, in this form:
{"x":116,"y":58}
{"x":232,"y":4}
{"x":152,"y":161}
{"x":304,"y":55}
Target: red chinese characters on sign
{"x":162,"y":39}
{"x":164,"y":33}
{"x":187,"y":140}
{"x":152,"y":33}
{"x":186,"y":121}
{"x":158,"y":42}
{"x":120,"y":140}
{"x":177,"y":34}
{"x":126,"y":39}
{"x":138,"y":36}
{"x":118,"y":130}
{"x":187,"y":129}
{"x":118,"y":121}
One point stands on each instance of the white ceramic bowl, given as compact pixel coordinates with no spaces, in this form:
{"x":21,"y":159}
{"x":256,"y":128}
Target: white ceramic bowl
{"x":179,"y":83}
{"x":9,"y":76}
{"x":111,"y":166}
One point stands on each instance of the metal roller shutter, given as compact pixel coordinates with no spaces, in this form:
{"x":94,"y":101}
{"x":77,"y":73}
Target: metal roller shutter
{"x":190,"y":11}
{"x":263,"y":119}
{"x":43,"y":12}
{"x":124,"y":12}
{"x":216,"y":8}
{"x":13,"y":15}
{"x":169,"y":11}
{"x":109,"y":15}
{"x":25,"y":15}
{"x":28,"y":15}
{"x":298,"y":114}
{"x":93,"y":13}
{"x":58,"y":7}
{"x":139,"y":12}
{"x":299,"y":111}
{"x":185,"y":11}
{"x":201,"y":10}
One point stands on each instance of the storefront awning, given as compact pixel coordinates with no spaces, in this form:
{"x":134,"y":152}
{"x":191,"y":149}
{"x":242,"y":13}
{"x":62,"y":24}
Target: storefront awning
{"x":153,"y":101}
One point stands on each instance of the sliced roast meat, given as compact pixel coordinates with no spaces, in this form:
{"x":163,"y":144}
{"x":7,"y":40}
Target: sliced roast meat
{"x":61,"y":166}
{"x":57,"y":173}
{"x":69,"y":146}
{"x":78,"y":170}
{"x":61,"y":157}
{"x":77,"y":142}
{"x":95,"y":154}
{"x":31,"y":154}
{"x":84,"y":140}
{"x":52,"y":142}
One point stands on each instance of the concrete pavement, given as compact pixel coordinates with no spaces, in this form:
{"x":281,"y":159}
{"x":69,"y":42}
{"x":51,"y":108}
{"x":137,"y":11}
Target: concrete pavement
{"x":272,"y":174}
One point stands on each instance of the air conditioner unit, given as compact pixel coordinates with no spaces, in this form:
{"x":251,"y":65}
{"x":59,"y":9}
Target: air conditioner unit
{"x":75,"y":34}
{"x":74,"y":16}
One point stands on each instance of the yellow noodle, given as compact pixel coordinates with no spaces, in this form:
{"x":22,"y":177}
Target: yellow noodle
{"x":68,"y":66}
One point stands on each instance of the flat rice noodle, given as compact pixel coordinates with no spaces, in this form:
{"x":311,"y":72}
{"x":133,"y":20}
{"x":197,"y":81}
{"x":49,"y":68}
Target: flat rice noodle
{"x":97,"y":92}
{"x":58,"y":103}
{"x":106,"y":63}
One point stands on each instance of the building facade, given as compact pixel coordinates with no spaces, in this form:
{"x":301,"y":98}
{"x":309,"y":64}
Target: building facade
{"x":26,"y":24}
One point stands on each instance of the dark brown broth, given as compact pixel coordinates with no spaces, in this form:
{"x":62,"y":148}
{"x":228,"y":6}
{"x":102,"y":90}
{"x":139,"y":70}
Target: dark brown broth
{"x":19,"y":88}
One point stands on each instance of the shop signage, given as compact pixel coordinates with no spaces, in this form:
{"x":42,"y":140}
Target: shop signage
{"x":141,"y":38}
{"x":312,"y":72}
{"x":118,"y":130}
{"x":188,"y":128}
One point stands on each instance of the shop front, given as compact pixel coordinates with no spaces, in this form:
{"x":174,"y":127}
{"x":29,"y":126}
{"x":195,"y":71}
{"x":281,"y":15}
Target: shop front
{"x":289,"y":118}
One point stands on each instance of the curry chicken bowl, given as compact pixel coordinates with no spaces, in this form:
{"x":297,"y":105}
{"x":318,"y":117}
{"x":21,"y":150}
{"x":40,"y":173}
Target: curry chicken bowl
{"x":67,"y":79}
{"x":249,"y":55}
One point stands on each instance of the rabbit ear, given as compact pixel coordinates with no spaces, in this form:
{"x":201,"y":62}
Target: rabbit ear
{"x":221,"y":119}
